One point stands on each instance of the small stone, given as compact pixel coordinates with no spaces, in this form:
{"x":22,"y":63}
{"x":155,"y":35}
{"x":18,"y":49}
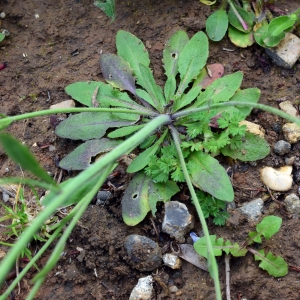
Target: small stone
{"x":230,"y":206}
{"x":2,"y":15}
{"x":143,"y":252}
{"x":52,"y":148}
{"x":173,"y":289}
{"x":277,"y":128}
{"x":290,"y":161}
{"x":291,"y":132}
{"x":172,"y":261}
{"x":279,"y":180}
{"x":288,"y":107}
{"x":5,"y":32}
{"x":297,"y":176}
{"x":282,"y":147}
{"x":103,"y":196}
{"x":287,"y":52}
{"x":177,"y":221}
{"x":253,"y":209}
{"x":64,"y":104}
{"x":292,"y":204}
{"x":5,"y":197}
{"x":254,"y":128}
{"x":143,"y":289}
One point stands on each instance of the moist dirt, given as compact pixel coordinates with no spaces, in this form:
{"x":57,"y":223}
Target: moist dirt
{"x":56,"y":43}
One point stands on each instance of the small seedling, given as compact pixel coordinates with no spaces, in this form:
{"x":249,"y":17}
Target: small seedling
{"x":274,"y":265}
{"x":108,"y":7}
{"x":248,"y":22}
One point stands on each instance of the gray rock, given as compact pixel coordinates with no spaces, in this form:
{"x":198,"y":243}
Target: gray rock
{"x":145,"y":254}
{"x":177,"y":221}
{"x":282,"y":147}
{"x":292,"y":204}
{"x":297,"y":176}
{"x":172,"y":261}
{"x":143,"y":289}
{"x":290,"y":161}
{"x":253,"y":209}
{"x":103,"y":196}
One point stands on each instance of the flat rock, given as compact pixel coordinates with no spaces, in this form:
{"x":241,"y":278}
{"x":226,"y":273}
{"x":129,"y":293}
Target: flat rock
{"x":177,"y":221}
{"x":287,"y":52}
{"x":253,"y":209}
{"x":144,"y":253}
{"x":279,"y":180}
{"x":291,"y":132}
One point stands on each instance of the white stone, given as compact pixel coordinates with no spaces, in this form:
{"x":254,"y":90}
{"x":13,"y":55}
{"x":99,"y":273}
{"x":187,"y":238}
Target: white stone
{"x":254,"y":128}
{"x":287,"y":52}
{"x":279,"y":180}
{"x":172,"y":261}
{"x":2,"y":15}
{"x":288,"y":107}
{"x":143,"y":289}
{"x":291,"y":132}
{"x":64,"y":104}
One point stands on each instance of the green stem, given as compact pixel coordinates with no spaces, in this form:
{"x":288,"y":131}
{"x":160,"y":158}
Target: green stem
{"x":270,"y":109}
{"x":212,"y":264}
{"x":68,"y":189}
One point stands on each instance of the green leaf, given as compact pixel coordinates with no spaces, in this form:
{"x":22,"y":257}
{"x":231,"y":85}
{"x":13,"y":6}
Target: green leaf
{"x":135,"y":202}
{"x":2,"y":36}
{"x":116,"y":71}
{"x":134,"y":52}
{"x":170,"y":88}
{"x":272,"y":41}
{"x":253,"y":148}
{"x":80,"y":158}
{"x":108,"y":7}
{"x":239,"y":38}
{"x":216,"y":25}
{"x":171,"y":53}
{"x":186,"y":99}
{"x":191,"y":60}
{"x":5,"y":122}
{"x":235,"y":249}
{"x":161,"y":192}
{"x":267,"y":228}
{"x":21,"y":155}
{"x":260,"y":34}
{"x":148,"y":141}
{"x":246,"y":16}
{"x":278,"y":25}
{"x":143,"y":159}
{"x":88,"y":125}
{"x":124,"y":131}
{"x":274,"y":265}
{"x":221,"y":90}
{"x":208,"y":175}
{"x":152,"y":88}
{"x":217,"y":245}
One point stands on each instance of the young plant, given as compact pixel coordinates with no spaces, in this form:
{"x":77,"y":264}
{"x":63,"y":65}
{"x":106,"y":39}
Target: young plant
{"x":274,"y":265}
{"x":249,"y":21}
{"x":108,"y":7}
{"x":199,"y":120}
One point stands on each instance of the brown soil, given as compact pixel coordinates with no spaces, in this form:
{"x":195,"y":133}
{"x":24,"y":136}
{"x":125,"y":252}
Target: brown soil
{"x":40,"y":65}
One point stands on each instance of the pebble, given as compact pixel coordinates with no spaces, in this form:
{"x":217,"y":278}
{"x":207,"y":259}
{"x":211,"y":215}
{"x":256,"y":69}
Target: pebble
{"x":5,"y":32}
{"x":253,"y":209}
{"x":291,"y":132}
{"x":103,"y":196}
{"x":288,"y":107}
{"x":297,"y":176}
{"x":64,"y":104}
{"x":282,"y":147}
{"x":254,"y":128}
{"x":177,"y":220}
{"x":279,"y":180}
{"x":287,"y":52}
{"x":2,"y":15}
{"x":289,"y":161}
{"x":143,"y":252}
{"x":292,"y":204}
{"x":172,"y":261}
{"x":143,"y":290}
{"x":173,"y":289}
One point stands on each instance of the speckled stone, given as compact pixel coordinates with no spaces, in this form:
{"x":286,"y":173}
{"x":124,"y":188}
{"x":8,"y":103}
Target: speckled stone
{"x":143,"y":290}
{"x":292,"y":204}
{"x":282,"y":147}
{"x":253,"y":209}
{"x":291,"y":132}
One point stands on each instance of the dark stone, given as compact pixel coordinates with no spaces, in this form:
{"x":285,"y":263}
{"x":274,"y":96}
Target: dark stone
{"x":282,"y":147}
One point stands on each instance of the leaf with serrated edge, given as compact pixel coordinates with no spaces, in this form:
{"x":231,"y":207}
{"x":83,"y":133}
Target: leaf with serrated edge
{"x":191,"y":60}
{"x":116,"y":71}
{"x":135,"y":201}
{"x":21,"y":155}
{"x":217,"y":244}
{"x":80,"y":157}
{"x":253,"y":148}
{"x":88,"y":125}
{"x":161,"y":192}
{"x":208,"y":175}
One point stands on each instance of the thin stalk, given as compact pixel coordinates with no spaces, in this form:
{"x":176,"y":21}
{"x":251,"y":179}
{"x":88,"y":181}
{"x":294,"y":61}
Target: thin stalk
{"x":69,"y":188}
{"x":270,"y":109}
{"x":212,"y":264}
{"x":53,"y":259}
{"x":241,"y":20}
